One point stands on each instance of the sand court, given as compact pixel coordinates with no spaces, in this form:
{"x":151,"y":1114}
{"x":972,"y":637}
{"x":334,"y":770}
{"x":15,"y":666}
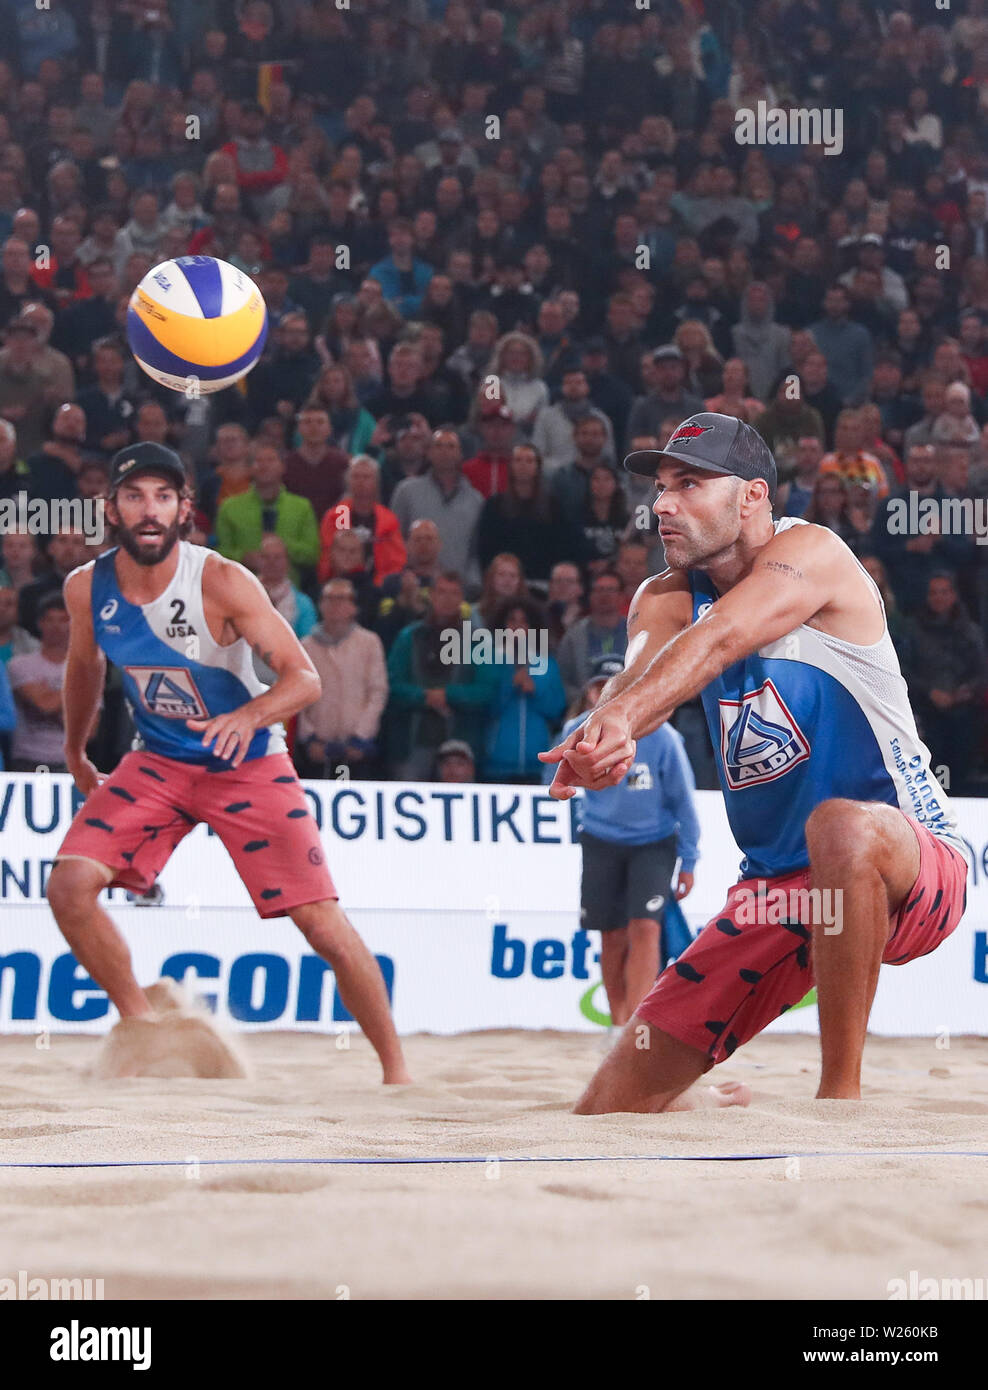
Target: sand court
{"x":785,"y":1227}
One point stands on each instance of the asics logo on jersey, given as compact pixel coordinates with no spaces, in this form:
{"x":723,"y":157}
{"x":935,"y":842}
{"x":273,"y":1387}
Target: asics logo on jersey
{"x":759,"y":738}
{"x":108,"y":609}
{"x":168,"y":691}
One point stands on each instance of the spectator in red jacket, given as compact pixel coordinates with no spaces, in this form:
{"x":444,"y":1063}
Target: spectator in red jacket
{"x":361,"y":511}
{"x":974,"y":348}
{"x":488,"y":470}
{"x":63,"y":274}
{"x":261,"y":164}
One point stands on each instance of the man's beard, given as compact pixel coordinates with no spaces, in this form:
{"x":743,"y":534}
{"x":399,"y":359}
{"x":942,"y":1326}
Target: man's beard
{"x":686,"y":552}
{"x":681,"y":553}
{"x":143,"y":552}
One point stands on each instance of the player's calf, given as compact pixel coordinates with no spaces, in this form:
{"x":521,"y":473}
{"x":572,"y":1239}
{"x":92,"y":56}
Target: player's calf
{"x":361,"y":985}
{"x":73,"y":889}
{"x":866,"y":857}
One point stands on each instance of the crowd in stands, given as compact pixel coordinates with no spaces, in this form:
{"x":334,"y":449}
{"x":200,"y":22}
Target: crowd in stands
{"x":500,"y":247}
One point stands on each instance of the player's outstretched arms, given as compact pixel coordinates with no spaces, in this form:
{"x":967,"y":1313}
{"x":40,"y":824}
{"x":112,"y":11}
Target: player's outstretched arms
{"x":85,"y":672}
{"x":248,"y":612}
{"x":796,"y":576}
{"x":659,"y":611}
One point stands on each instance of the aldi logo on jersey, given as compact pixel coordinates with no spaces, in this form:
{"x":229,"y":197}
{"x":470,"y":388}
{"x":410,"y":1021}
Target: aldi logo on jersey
{"x":759,"y":738}
{"x":168,"y":691}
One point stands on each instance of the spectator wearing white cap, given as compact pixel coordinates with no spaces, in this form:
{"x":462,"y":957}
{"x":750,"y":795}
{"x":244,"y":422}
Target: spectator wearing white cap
{"x":455,"y":762}
{"x":956,"y":424}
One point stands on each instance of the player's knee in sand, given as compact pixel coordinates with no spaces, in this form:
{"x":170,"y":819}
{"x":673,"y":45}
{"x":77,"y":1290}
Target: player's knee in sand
{"x":648,"y":1072}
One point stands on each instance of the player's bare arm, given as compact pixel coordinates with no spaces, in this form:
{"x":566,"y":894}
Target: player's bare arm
{"x":236,"y":602}
{"x":659,"y":611}
{"x":801,"y":576}
{"x":85,"y":672}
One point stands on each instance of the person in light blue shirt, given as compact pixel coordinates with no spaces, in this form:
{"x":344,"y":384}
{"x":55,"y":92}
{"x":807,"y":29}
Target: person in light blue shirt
{"x":528,"y":698}
{"x":631,"y":836}
{"x":402,"y":276}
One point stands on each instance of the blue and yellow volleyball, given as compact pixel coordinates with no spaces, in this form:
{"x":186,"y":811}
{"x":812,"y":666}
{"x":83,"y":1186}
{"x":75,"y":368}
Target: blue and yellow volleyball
{"x":197,"y":324}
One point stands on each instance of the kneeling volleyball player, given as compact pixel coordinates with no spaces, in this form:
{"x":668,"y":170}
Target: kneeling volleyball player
{"x":182,"y":623}
{"x":829,"y":791}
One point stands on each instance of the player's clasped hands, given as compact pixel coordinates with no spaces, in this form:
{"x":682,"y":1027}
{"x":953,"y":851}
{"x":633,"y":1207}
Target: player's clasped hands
{"x":596,"y":755}
{"x":229,"y":734}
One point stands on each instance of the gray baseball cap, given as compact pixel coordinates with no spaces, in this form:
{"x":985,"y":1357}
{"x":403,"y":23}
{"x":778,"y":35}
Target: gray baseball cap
{"x":714,"y":443}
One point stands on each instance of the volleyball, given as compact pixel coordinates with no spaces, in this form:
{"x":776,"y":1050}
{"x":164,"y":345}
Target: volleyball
{"x":196,"y":324}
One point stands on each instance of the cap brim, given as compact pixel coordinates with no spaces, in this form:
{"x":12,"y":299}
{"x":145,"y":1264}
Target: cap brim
{"x":645,"y":462}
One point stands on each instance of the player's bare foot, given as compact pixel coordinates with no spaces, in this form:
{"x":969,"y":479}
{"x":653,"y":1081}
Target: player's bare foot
{"x":712,"y":1097}
{"x":397,"y":1076}
{"x":729,"y":1093}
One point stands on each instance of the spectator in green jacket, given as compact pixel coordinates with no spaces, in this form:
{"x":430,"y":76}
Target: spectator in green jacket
{"x":268,"y":507}
{"x":437,"y":691}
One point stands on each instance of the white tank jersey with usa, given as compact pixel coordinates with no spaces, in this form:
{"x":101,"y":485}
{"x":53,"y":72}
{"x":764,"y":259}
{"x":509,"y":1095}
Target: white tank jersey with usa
{"x":807,"y":718}
{"x":173,"y":668}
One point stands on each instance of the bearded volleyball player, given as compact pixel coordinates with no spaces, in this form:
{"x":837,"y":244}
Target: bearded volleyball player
{"x":783,"y":634}
{"x":181,"y":623}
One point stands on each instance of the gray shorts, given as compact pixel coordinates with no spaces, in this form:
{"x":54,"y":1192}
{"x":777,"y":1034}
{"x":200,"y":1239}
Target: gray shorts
{"x":621,"y":882}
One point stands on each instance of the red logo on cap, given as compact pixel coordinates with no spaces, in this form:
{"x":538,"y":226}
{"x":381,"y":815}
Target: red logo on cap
{"x":689,"y":432}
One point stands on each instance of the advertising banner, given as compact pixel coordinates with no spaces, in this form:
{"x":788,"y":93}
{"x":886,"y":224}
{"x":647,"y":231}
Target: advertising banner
{"x":468,"y":896}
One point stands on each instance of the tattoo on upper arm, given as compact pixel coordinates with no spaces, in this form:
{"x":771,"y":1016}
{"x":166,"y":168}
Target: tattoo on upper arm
{"x":633,"y":617}
{"x":789,"y":571}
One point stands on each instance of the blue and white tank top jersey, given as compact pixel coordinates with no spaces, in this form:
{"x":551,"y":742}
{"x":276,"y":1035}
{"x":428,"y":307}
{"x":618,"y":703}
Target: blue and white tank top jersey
{"x":806,"y":718}
{"x":172,"y":667}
